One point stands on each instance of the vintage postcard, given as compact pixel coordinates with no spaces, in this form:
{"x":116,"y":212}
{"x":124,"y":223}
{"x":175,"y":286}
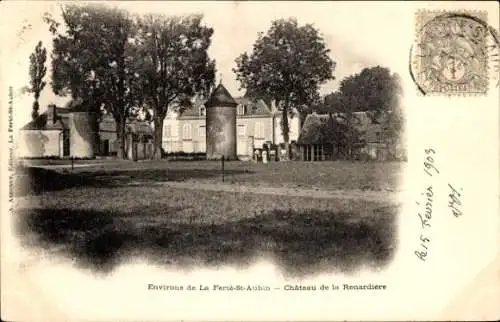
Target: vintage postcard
{"x":253,"y":160}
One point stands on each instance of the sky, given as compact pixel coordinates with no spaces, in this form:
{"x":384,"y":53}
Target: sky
{"x":356,"y":36}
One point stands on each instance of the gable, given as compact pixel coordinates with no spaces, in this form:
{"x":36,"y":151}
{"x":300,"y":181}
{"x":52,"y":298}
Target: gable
{"x":40,"y":123}
{"x":252,"y":107}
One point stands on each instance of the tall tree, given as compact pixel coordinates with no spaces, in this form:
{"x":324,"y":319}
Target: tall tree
{"x":93,"y":60}
{"x":348,"y":103}
{"x":377,"y":91}
{"x":173,"y":64}
{"x":287,"y":64}
{"x":37,"y":73}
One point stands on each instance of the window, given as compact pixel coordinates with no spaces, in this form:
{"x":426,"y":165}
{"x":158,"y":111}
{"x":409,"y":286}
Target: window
{"x":241,"y":129}
{"x":203,"y":110}
{"x":186,"y":132}
{"x":168,"y":131}
{"x":259,"y":130}
{"x":242,"y":109}
{"x":201,"y":131}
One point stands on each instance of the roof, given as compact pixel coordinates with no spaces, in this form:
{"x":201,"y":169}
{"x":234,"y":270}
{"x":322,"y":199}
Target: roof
{"x":254,"y":107}
{"x":194,"y":109}
{"x":40,"y":123}
{"x":108,"y":124}
{"x":314,"y":130}
{"x":221,"y":97}
{"x":36,"y":124}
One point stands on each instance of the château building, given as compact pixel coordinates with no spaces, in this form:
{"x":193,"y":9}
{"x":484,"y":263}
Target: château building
{"x":257,"y":122}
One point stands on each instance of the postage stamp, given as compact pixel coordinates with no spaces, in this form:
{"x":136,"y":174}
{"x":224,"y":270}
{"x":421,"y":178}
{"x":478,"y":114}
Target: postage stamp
{"x":168,"y":160}
{"x":454,"y":53}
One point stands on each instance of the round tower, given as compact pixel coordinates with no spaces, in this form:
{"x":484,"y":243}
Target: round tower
{"x":83,"y":130}
{"x":221,"y":125}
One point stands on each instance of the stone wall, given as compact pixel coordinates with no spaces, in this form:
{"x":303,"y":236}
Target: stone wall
{"x":39,"y":144}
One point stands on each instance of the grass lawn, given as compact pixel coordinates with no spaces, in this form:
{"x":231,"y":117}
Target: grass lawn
{"x":92,"y":216}
{"x":323,"y":175}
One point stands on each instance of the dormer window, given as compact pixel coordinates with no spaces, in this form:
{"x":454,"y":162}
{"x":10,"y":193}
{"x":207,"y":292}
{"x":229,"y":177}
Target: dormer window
{"x":203,"y":111}
{"x":242,"y":109}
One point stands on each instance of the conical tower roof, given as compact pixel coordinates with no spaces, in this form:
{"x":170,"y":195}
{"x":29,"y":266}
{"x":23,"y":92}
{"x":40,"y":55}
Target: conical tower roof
{"x":221,"y":97}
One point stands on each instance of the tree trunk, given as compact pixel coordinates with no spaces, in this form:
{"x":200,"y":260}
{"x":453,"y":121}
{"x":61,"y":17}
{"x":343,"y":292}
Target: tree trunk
{"x":285,"y":128}
{"x":302,"y":119}
{"x":121,"y":101}
{"x":158,"y":138}
{"x":284,"y":123}
{"x":120,"y":134}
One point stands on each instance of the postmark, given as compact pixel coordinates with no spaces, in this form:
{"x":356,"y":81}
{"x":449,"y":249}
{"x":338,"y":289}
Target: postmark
{"x":455,"y":53}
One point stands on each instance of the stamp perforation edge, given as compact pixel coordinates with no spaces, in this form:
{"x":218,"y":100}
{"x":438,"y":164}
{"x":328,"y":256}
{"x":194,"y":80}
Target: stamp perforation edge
{"x":423,"y":17}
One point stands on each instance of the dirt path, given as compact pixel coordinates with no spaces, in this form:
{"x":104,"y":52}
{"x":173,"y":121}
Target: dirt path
{"x":389,"y":196}
{"x":66,"y":166}
{"x":78,"y":164}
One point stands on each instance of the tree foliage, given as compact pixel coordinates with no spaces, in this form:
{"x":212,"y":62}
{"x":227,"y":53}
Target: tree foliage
{"x":37,"y":73}
{"x":129,"y":64}
{"x":173,"y":64}
{"x":378,"y":92}
{"x":93,"y":60}
{"x":375,"y":91}
{"x":287,"y":64}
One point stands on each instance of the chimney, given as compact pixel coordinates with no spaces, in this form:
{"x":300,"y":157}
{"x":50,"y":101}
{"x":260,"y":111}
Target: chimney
{"x":51,"y":114}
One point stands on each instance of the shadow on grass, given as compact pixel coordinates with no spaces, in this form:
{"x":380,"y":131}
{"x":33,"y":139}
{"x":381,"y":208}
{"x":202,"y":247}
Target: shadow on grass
{"x":33,"y":180}
{"x":300,"y":243}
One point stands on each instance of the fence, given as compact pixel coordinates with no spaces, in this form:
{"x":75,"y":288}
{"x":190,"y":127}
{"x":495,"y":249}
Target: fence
{"x":140,"y":151}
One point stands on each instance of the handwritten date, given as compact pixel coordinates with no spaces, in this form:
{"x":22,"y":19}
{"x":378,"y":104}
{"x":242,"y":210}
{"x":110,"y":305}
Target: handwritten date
{"x":427,"y":213}
{"x":421,"y":253}
{"x":426,"y":202}
{"x":429,"y":163}
{"x":425,"y":217}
